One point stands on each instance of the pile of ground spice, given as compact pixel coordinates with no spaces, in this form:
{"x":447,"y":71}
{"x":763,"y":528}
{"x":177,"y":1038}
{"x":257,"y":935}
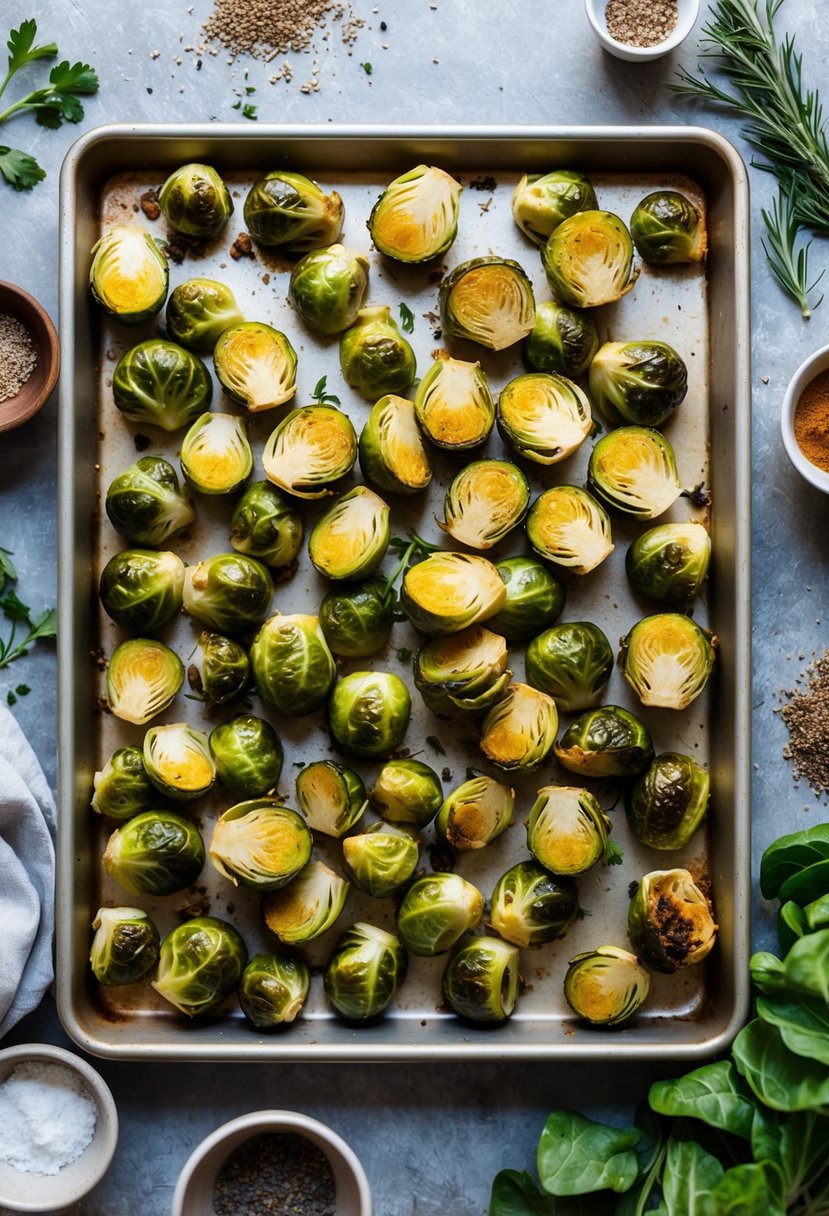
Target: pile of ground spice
{"x":806,"y":715}
{"x":641,"y":22}
{"x":18,"y":357}
{"x":275,"y":1174}
{"x":265,"y":29}
{"x":811,"y":421}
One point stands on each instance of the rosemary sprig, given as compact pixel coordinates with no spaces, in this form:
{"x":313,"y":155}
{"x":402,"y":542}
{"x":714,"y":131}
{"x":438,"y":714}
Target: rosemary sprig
{"x":789,"y":265}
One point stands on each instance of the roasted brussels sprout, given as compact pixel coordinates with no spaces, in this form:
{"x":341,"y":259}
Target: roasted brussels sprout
{"x":289,"y":211}
{"x":219,"y":669}
{"x":122,"y":788}
{"x":364,"y":972}
{"x":634,"y":470}
{"x":248,"y":756}
{"x":158,"y":383}
{"x":141,"y":589}
{"x":129,"y":274}
{"x":449,"y":591}
{"x":667,"y":659}
{"x":392,"y":454}
{"x":541,"y":201}
{"x":669,"y":921}
{"x":606,"y":742}
{"x":260,"y":844}
{"x":667,"y":228}
{"x":416,"y":216}
{"x":407,"y":791}
{"x":464,"y":674}
{"x":308,"y":906}
{"x":143,"y":677}
{"x":588,"y":259}
{"x":453,"y":404}
{"x":535,"y":598}
{"x":216,"y":457}
{"x":519,"y":732}
{"x":669,"y":562}
{"x":375,"y":358}
{"x":201,"y":962}
{"x":566,"y":525}
{"x":605,"y":986}
{"x":256,"y":365}
{"x":485,"y":501}
{"x":666,"y":805}
{"x":368,"y":713}
{"x":124,"y":946}
{"x":357,"y":621}
{"x":292,"y":665}
{"x":178,"y":761}
{"x":331,"y":797}
{"x":530,"y":906}
{"x":563,"y":340}
{"x":573,"y":663}
{"x":229,"y":592}
{"x":328,"y":287}
{"x":199,"y":311}
{"x":273,"y":989}
{"x":637,"y":383}
{"x":146,"y":504}
{"x":568,"y":832}
{"x":480,"y":981}
{"x":544,"y":417}
{"x":309,"y":450}
{"x":155,"y":853}
{"x":195,"y":201}
{"x":475,"y":813}
{"x":381,"y":860}
{"x":487,"y":300}
{"x":350,"y":539}
{"x":264,"y":525}
{"x":436,"y":911}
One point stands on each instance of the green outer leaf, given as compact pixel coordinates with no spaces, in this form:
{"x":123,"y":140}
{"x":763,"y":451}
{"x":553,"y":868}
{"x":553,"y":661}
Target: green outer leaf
{"x":790,"y":854}
{"x":744,"y":1191}
{"x":806,"y":966}
{"x":714,"y":1094}
{"x":803,"y":1024}
{"x":689,"y":1178}
{"x":807,"y":884}
{"x":577,"y":1156}
{"x":777,"y":1076}
{"x":802,"y":1153}
{"x":767,"y":972}
{"x":515,"y":1194}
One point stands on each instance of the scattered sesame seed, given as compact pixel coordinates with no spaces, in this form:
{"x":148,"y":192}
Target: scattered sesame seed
{"x":154,"y":54}
{"x":807,"y":717}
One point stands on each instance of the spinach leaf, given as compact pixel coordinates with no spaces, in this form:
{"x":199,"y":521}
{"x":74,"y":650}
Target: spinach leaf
{"x":806,"y":967}
{"x":713,"y":1093}
{"x":803,"y":1153}
{"x":690,"y":1176}
{"x":791,"y":924}
{"x":577,"y":1156}
{"x":767,"y":972}
{"x":803,"y":1024}
{"x":817,"y":914}
{"x":744,"y":1191}
{"x":790,"y":854}
{"x":516,"y":1194}
{"x":777,"y":1076}
{"x":807,"y":884}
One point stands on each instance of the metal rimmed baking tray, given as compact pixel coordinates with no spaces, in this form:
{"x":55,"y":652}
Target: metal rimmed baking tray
{"x":704,"y":313}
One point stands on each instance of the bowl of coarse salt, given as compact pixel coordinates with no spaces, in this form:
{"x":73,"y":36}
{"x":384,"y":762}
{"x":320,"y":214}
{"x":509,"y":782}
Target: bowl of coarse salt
{"x":641,"y":30}
{"x":29,"y":356}
{"x":58,"y":1128}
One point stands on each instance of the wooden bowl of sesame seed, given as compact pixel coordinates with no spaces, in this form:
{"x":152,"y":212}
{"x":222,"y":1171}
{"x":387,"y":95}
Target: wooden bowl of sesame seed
{"x":29,"y":356}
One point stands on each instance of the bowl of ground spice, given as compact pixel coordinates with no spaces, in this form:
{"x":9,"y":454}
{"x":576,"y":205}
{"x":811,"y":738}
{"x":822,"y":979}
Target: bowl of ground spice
{"x":272,"y":1163}
{"x":639,"y":30}
{"x":29,"y":356}
{"x":804,"y":420}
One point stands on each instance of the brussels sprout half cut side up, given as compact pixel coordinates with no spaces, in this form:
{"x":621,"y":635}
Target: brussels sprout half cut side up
{"x":572,"y":663}
{"x":292,"y":665}
{"x":122,"y":788}
{"x":480,"y":981}
{"x":606,"y":986}
{"x":449,"y":591}
{"x":485,"y":501}
{"x":535,"y":598}
{"x":669,"y":562}
{"x":637,"y":383}
{"x":159,"y":383}
{"x":129,"y":274}
{"x":563,"y":340}
{"x":219,"y":669}
{"x":416,"y":216}
{"x":530,"y":906}
{"x":544,"y":417}
{"x":248,"y":756}
{"x":273,"y":989}
{"x":260,"y":844}
{"x":266,"y":526}
{"x":141,"y":589}
{"x":375,"y":358}
{"x":489,"y":301}
{"x":541,"y":201}
{"x":462,"y":675}
{"x":667,"y":228}
{"x":124,"y":946}
{"x":143,"y":677}
{"x":475,"y":813}
{"x":351,"y":537}
{"x":666,"y":805}
{"x":310,"y":449}
{"x":256,"y":365}
{"x":357,"y":621}
{"x":328,"y":287}
{"x":633,"y":469}
{"x":606,"y":742}
{"x":307,"y":906}
{"x":567,"y":831}
{"x":364,"y":972}
{"x":216,"y":457}
{"x":567,"y":526}
{"x":156,"y":853}
{"x":436,"y":911}
{"x":368,"y":714}
{"x":289,"y":211}
{"x":229,"y":592}
{"x":669,"y":921}
{"x":392,"y":454}
{"x":667,"y":659}
{"x":408,"y":792}
{"x":146,"y":504}
{"x":331,"y":797}
{"x":199,"y":311}
{"x":519,"y":732}
{"x":201,"y":962}
{"x":454,"y":405}
{"x":195,"y":201}
{"x":178,"y":761}
{"x":381,"y":860}
{"x":588,"y":259}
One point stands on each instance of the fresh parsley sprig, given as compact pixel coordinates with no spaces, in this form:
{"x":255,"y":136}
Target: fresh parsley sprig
{"x":20,"y":614}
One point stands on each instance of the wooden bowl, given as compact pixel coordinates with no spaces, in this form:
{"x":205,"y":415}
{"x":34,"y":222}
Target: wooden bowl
{"x":34,"y":394}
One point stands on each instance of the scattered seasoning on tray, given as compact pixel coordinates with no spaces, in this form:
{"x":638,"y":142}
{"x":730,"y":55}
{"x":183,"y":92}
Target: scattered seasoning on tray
{"x":47,"y":1117}
{"x":18,"y":357}
{"x":275,"y":1174}
{"x":811,"y":421}
{"x":806,"y":715}
{"x":641,"y":22}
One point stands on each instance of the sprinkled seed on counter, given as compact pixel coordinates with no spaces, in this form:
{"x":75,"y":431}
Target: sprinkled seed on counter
{"x":806,"y":715}
{"x":18,"y":357}
{"x":275,"y":1174}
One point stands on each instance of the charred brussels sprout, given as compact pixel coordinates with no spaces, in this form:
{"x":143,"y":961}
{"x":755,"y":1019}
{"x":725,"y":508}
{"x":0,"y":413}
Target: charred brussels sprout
{"x":256,"y":365}
{"x":640,"y":383}
{"x":669,"y":562}
{"x":219,"y":669}
{"x":375,"y":358}
{"x":292,"y":665}
{"x":407,"y":791}
{"x":264,"y":525}
{"x":124,"y":946}
{"x":158,"y":383}
{"x":480,"y":981}
{"x":669,"y":921}
{"x":248,"y":756}
{"x":142,"y":589}
{"x":535,"y":598}
{"x":541,"y":201}
{"x":464,"y":674}
{"x":416,"y":216}
{"x":364,"y":972}
{"x":381,"y":860}
{"x":606,"y":742}
{"x":310,"y":449}
{"x":530,"y":906}
{"x":485,"y":501}
{"x":519,"y":732}
{"x":392,"y":454}
{"x":605,"y":986}
{"x":667,"y":659}
{"x":216,"y":457}
{"x":289,"y":211}
{"x":229,"y":592}
{"x":195,"y":201}
{"x":122,"y":788}
{"x":589,"y":259}
{"x":573,"y":663}
{"x":350,"y":539}
{"x":308,"y":906}
{"x":436,"y":911}
{"x":449,"y":591}
{"x":273,"y":989}
{"x":146,"y":504}
{"x":199,"y":311}
{"x":475,"y":813}
{"x":489,"y":301}
{"x":368,"y":713}
{"x":567,"y":831}
{"x":156,"y":853}
{"x":563,"y":340}
{"x":143,"y":677}
{"x":260,"y":844}
{"x":544,"y":417}
{"x":666,"y":805}
{"x":667,"y":228}
{"x":566,"y":525}
{"x":201,"y":963}
{"x":633,"y":469}
{"x":129,"y":275}
{"x":178,"y":761}
{"x":453,"y":404}
{"x":328,"y":287}
{"x":357,"y":621}
{"x":331,"y":797}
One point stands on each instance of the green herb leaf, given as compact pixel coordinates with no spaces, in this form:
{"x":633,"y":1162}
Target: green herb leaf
{"x":249,"y":111}
{"x":22,"y":690}
{"x":515,"y":1194}
{"x":367,"y":68}
{"x":19,"y":169}
{"x":11,"y":699}
{"x":577,"y":1156}
{"x":714,"y":1093}
{"x":789,"y":265}
{"x":406,"y":318}
{"x":45,"y":625}
{"x":7,"y":570}
{"x":13,"y":607}
{"x":436,"y":745}
{"x":321,"y":396}
{"x":22,"y":49}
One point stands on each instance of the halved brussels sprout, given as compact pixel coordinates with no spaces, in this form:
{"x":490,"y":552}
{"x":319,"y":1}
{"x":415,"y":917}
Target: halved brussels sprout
{"x":436,"y":911}
{"x":667,"y":228}
{"x":568,"y":832}
{"x":292,"y":665}
{"x":357,"y":621}
{"x":519,"y":732}
{"x":464,"y":674}
{"x":480,"y":981}
{"x":309,"y":449}
{"x":146,"y":504}
{"x":573,"y":663}
{"x":229,"y":592}
{"x":289,"y":211}
{"x":273,"y":989}
{"x":606,"y":742}
{"x":392,"y":454}
{"x":216,"y":457}
{"x":155,"y":853}
{"x":416,"y":216}
{"x":566,"y":525}
{"x":328,"y":287}
{"x":381,"y":860}
{"x":368,"y":713}
{"x":199,"y":311}
{"x":634,"y":470}
{"x":124,"y":946}
{"x":248,"y":756}
{"x":219,"y":669}
{"x":535,"y":598}
{"x":142,"y":589}
{"x":129,"y":274}
{"x":669,"y":562}
{"x":260,"y":844}
{"x":195,"y":201}
{"x":308,"y":906}
{"x":541,"y":201}
{"x":158,"y":383}
{"x":449,"y":591}
{"x":485,"y":501}
{"x":364,"y":972}
{"x":669,"y":921}
{"x":331,"y":797}
{"x":256,"y":365}
{"x":407,"y":791}
{"x":666,"y":805}
{"x":487,"y":300}
{"x":544,"y":417}
{"x":143,"y":677}
{"x":605,"y":986}
{"x":475,"y":813}
{"x":641,"y":383}
{"x":201,"y":962}
{"x":264,"y":525}
{"x":350,"y":538}
{"x":122,"y":788}
{"x":563,"y":340}
{"x":530,"y":906}
{"x":375,"y":358}
{"x":588,"y":259}
{"x":453,"y":404}
{"x":667,"y":659}
{"x":178,"y":761}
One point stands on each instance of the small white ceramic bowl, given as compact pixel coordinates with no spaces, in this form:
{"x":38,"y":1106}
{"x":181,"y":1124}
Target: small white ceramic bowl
{"x":21,"y":1192}
{"x":687,"y":13}
{"x":814,"y":365}
{"x":193,"y":1195}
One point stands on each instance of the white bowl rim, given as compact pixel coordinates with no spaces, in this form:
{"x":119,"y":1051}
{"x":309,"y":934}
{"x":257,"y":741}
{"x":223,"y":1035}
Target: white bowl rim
{"x":685,"y":23}
{"x":809,"y":369}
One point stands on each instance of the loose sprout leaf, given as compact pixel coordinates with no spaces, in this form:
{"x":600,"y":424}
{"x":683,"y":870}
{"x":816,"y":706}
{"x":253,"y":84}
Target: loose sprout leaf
{"x":436,"y":745}
{"x":406,"y":318}
{"x":19,"y":169}
{"x":321,"y":396}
